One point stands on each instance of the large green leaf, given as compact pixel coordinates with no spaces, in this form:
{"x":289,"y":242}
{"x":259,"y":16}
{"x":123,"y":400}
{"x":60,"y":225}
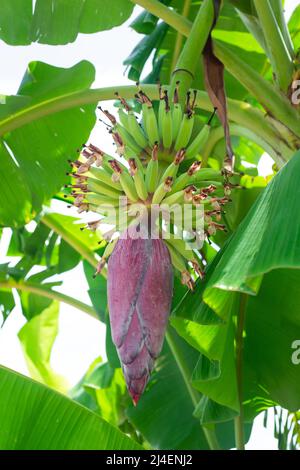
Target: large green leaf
{"x":272,"y":325}
{"x":34,"y":156}
{"x":262,"y":258}
{"x":222,"y":387}
{"x":37,"y":337}
{"x":37,"y":418}
{"x":20,"y":24}
{"x":103,"y":390}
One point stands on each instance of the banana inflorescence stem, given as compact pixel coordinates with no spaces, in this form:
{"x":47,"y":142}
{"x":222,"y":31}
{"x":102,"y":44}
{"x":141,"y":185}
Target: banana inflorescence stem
{"x":191,"y":52}
{"x":179,"y":38}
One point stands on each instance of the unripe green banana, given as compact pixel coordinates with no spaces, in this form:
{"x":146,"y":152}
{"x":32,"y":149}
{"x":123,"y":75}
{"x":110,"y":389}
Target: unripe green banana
{"x":105,"y":177}
{"x":195,"y":147}
{"x":128,"y":186}
{"x":109,"y":249}
{"x":136,"y":131}
{"x":181,"y":182}
{"x":165,"y":120}
{"x":161,"y":111}
{"x":151,"y":175}
{"x":139,"y":181}
{"x":128,"y":140}
{"x":98,"y":200}
{"x":206,"y":174}
{"x":150,"y":122}
{"x":101,"y":188}
{"x":152,"y":171}
{"x":182,"y":196}
{"x":123,"y":118}
{"x":167,"y":134}
{"x":172,"y":169}
{"x":177,"y":119}
{"x":176,"y":258}
{"x":191,"y":177}
{"x":105,"y":163}
{"x":162,"y":190}
{"x":140,"y":186}
{"x":175,"y":198}
{"x":125,"y":179}
{"x":181,"y":246}
{"x":176,"y":112}
{"x":185,"y":131}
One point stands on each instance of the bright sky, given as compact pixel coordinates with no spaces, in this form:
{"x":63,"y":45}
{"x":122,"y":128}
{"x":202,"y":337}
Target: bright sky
{"x":81,"y":339}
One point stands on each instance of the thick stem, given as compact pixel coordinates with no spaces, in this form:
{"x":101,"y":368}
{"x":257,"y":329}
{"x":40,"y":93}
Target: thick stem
{"x":191,"y":52}
{"x":179,"y":37}
{"x":279,"y":55}
{"x":239,"y":112}
{"x":194,"y":395}
{"x":239,"y":420}
{"x":239,"y":433}
{"x":39,"y":289}
{"x":67,"y":101}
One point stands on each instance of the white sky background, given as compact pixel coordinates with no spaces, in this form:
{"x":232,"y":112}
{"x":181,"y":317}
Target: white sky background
{"x":81,"y":339}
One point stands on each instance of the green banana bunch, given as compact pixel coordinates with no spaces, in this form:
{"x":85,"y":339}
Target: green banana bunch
{"x":152,"y":148}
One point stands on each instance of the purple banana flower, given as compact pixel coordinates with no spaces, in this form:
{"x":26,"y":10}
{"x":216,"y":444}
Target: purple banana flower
{"x":140,"y":286}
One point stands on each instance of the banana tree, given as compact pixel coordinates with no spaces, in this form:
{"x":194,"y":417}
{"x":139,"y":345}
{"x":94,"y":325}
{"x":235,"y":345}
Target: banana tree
{"x":223,"y":290}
